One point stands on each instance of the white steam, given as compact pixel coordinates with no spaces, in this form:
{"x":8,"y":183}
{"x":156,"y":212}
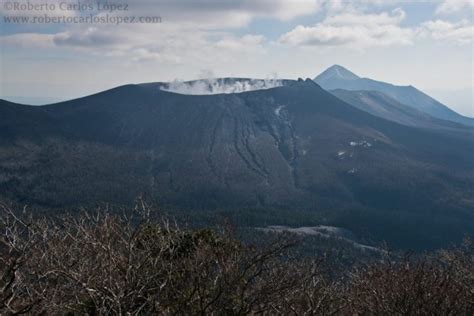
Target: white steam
{"x":218,"y":86}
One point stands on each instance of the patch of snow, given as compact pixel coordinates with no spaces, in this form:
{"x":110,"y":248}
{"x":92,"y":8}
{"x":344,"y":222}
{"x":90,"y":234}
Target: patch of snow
{"x":277,"y":110}
{"x":322,"y":231}
{"x":341,"y":155}
{"x":362,"y":143}
{"x":312,"y":230}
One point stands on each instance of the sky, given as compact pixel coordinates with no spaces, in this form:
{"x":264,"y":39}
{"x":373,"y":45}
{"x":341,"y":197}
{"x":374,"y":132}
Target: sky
{"x":427,"y":44}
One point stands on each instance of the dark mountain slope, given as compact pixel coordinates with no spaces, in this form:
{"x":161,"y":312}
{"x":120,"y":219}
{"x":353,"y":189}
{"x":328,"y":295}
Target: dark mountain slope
{"x":295,"y":148}
{"x":19,"y":121}
{"x":336,"y":77}
{"x":384,"y":106}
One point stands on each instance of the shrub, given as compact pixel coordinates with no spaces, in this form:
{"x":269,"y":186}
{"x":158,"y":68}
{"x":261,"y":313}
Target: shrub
{"x":105,"y":264}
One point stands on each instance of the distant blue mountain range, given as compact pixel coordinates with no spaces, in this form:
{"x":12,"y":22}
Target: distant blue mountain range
{"x":338,"y":77}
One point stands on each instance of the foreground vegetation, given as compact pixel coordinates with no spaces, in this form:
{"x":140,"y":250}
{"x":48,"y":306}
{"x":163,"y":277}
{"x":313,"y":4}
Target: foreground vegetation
{"x":107,"y":264}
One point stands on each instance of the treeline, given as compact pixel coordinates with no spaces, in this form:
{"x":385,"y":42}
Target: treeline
{"x":131,"y":265}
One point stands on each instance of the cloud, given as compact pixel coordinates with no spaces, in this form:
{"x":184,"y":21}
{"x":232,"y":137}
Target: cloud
{"x":28,"y":40}
{"x":202,"y":32}
{"x":190,"y":29}
{"x":454,"y":6}
{"x":244,"y":43}
{"x":229,"y":13}
{"x":215,"y":13}
{"x":334,"y":6}
{"x":353,"y":29}
{"x":88,"y":37}
{"x":459,"y":33}
{"x":143,"y":54}
{"x":218,"y":14}
{"x":368,"y":20}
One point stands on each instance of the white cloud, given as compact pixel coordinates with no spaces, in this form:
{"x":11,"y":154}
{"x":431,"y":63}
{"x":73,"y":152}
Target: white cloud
{"x":88,"y":37}
{"x":244,"y":43}
{"x":353,"y":29}
{"x":201,"y":13}
{"x":212,"y":14}
{"x":454,"y":6}
{"x":460,"y":33}
{"x":190,"y":29}
{"x":143,"y":54}
{"x":28,"y":40}
{"x":334,"y":6}
{"x":170,"y":45}
{"x":367,"y":20}
{"x":199,"y":28}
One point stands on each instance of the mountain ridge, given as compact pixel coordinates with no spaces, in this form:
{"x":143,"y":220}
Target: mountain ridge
{"x":407,"y":95}
{"x":336,"y":71}
{"x":384,"y":106}
{"x":294,"y":148}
